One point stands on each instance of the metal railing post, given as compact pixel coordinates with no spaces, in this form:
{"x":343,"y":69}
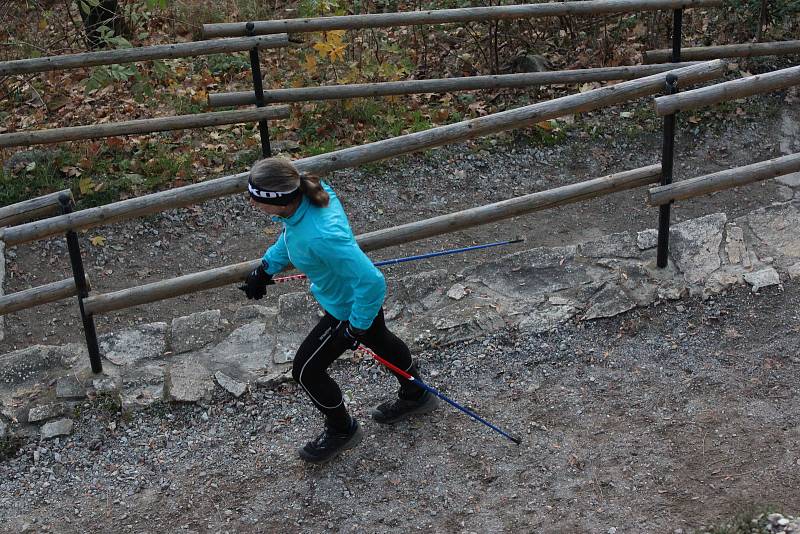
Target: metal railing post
{"x":258,"y":87}
{"x":667,"y":159}
{"x":668,"y":145}
{"x":82,"y":287}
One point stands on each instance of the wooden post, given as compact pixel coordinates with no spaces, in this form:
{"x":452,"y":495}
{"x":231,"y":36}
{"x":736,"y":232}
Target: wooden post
{"x":32,"y":209}
{"x":406,"y":233}
{"x":706,"y":96}
{"x":351,"y":157}
{"x":144,"y":53}
{"x":443,"y":85}
{"x":442,"y":16}
{"x":161,"y":124}
{"x":718,"y":181}
{"x":705,"y":53}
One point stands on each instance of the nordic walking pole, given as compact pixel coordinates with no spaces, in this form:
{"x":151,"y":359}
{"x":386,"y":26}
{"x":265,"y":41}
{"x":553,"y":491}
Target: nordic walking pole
{"x":425,"y":386}
{"x":414,"y":258}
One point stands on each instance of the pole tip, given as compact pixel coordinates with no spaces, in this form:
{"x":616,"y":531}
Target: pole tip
{"x":518,"y":239}
{"x":516,"y":440}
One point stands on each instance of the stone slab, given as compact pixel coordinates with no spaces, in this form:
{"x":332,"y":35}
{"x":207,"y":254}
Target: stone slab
{"x":31,"y":362}
{"x":54,"y":429}
{"x":230,"y":384}
{"x":189,"y":381}
{"x":762,"y":278}
{"x":694,"y":246}
{"x":46,"y":411}
{"x":130,"y":346}
{"x":195,"y":331}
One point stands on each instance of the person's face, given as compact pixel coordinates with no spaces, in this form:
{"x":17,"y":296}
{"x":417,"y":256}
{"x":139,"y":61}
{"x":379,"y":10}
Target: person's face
{"x":280,"y":211}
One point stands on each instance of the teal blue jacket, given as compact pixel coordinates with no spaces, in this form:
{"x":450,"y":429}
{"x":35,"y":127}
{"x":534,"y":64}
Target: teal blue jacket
{"x":319,"y":242}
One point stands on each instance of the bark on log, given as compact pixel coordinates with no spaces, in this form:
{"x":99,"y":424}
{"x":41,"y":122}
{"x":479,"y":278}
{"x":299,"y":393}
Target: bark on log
{"x":31,"y":209}
{"x":444,"y":85}
{"x":350,"y":157}
{"x":144,"y":53}
{"x":706,"y":96}
{"x":406,"y":233}
{"x":718,"y":181}
{"x":442,"y":16}
{"x":36,"y":296}
{"x":161,"y":124}
{"x":705,"y":53}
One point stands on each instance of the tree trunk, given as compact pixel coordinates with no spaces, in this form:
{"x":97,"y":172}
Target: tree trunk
{"x":103,"y":14}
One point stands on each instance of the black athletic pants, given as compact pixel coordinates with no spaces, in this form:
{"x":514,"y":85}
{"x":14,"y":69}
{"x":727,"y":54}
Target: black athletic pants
{"x":322,"y":346}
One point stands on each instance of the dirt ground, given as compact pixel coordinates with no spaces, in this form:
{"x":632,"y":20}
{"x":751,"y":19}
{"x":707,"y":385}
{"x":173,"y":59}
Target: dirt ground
{"x":677,"y":416}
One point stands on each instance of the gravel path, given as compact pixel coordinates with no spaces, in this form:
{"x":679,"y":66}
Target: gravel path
{"x":672,"y":417}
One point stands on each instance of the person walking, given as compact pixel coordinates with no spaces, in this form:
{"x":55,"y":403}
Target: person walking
{"x":317,"y":239}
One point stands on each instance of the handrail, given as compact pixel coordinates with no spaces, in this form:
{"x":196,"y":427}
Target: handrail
{"x":143,"y":53}
{"x":358,"y":155}
{"x":441,"y":16}
{"x":142,"y":126}
{"x":718,"y":181}
{"x":36,"y":296}
{"x":452,"y":222}
{"x":706,"y":96}
{"x":705,"y":53}
{"x":32,"y":209}
{"x":441,"y":85}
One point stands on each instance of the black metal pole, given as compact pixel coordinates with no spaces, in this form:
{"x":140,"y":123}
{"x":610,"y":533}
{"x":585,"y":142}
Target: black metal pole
{"x":79,"y":274}
{"x":258,"y":87}
{"x":677,"y":29}
{"x":667,"y":158}
{"x":668,"y":145}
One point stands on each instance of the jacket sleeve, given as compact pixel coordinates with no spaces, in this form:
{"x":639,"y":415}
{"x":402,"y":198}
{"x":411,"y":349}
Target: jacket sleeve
{"x":348,"y":261}
{"x":276,"y":256}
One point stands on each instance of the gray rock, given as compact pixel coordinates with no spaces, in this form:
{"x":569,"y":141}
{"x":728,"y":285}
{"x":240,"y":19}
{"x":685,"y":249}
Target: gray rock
{"x":532,"y":273}
{"x":695,"y":246}
{"x":298,"y":313}
{"x":248,"y":313}
{"x":763,"y":278}
{"x":545,"y":318}
{"x":130,"y":346}
{"x":141,"y":397}
{"x":69,"y":387}
{"x":230,"y":384}
{"x":3,"y":428}
{"x":20,"y":160}
{"x":194,"y":331}
{"x":189,"y":381}
{"x":46,"y":411}
{"x":105,"y":385}
{"x":776,"y":227}
{"x":791,"y":180}
{"x":794,"y":271}
{"x":246,"y":349}
{"x":457,"y":292}
{"x":734,"y":244}
{"x":621,"y":245}
{"x":53,"y":429}
{"x":609,"y":301}
{"x":647,"y":239}
{"x":22,"y":365}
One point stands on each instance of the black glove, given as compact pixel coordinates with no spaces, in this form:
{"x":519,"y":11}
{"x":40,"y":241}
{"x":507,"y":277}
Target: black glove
{"x":350,"y":335}
{"x":255,"y":286}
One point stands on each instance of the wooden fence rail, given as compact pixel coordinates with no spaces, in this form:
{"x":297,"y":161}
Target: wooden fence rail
{"x":442,"y":85}
{"x":406,"y":233}
{"x":32,"y":209}
{"x":442,"y":16}
{"x":713,"y":94}
{"x":705,"y":53}
{"x":36,"y":296}
{"x":144,"y":53}
{"x":718,"y":181}
{"x":143,"y":126}
{"x":350,"y":157}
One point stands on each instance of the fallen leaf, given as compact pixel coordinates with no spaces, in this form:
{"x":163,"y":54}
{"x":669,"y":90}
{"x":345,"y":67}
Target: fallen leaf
{"x":97,"y":241}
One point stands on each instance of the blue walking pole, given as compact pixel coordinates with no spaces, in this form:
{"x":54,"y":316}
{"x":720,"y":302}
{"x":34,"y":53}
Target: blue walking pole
{"x":414,"y":258}
{"x":425,"y":386}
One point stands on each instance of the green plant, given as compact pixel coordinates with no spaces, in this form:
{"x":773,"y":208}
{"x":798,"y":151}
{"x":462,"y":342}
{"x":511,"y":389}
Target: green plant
{"x":9,"y":446}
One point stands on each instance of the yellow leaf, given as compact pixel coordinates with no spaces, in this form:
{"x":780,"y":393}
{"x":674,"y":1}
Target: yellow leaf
{"x":310,"y":64}
{"x":337,"y":53}
{"x":97,"y":241}
{"x":85,"y":185}
{"x":323,"y":48}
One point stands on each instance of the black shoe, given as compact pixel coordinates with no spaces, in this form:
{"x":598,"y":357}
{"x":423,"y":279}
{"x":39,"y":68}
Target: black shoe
{"x":393,"y":411}
{"x":330,"y":443}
